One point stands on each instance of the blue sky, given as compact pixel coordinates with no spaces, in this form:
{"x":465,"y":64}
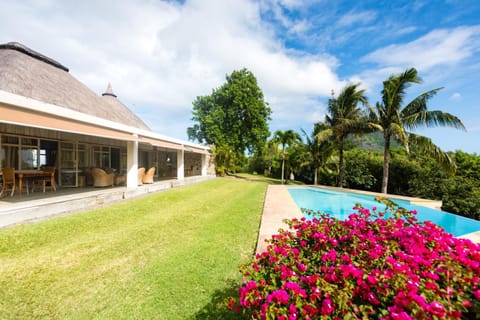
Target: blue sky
{"x":160,"y":55}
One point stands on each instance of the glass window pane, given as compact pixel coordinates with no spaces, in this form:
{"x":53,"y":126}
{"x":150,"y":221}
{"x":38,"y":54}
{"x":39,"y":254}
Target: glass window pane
{"x":10,"y":139}
{"x":29,"y":158}
{"x":67,"y":145}
{"x":29,"y":142}
{"x":9,"y":156}
{"x":43,"y":157}
{"x":82,"y":156}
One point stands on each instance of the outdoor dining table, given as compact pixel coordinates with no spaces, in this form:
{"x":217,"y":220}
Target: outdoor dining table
{"x":30,"y":174}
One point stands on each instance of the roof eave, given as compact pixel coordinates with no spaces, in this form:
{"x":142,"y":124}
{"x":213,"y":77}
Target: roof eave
{"x":47,"y":108}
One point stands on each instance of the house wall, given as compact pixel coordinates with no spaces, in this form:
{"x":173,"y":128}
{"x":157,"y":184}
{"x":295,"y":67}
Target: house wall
{"x":210,"y":158}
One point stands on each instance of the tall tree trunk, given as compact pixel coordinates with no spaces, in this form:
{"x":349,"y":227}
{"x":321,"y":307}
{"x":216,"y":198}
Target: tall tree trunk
{"x":341,"y":168}
{"x":315,"y":175}
{"x":283,"y":166}
{"x":386,"y":163}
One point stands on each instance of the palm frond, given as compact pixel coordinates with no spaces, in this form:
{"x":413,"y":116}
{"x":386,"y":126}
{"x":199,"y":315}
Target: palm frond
{"x":425,"y":145}
{"x":433,"y":118}
{"x":324,"y":135}
{"x":381,"y":111}
{"x":394,"y":89}
{"x":399,"y":134}
{"x":419,"y":104}
{"x":309,"y":140}
{"x":375,"y":126}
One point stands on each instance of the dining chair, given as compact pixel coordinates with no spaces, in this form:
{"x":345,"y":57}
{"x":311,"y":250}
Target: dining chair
{"x":49,"y":179}
{"x":8,"y":175}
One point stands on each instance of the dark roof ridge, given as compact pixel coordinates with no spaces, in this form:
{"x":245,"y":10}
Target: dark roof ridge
{"x":32,"y":53}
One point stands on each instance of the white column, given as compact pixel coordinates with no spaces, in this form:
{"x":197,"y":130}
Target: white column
{"x":204,"y":165}
{"x":180,"y":165}
{"x":132,"y":164}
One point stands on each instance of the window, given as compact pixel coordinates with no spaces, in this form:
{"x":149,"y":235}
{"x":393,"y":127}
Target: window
{"x":29,"y":153}
{"x":101,"y":157}
{"x":48,"y":153}
{"x":9,"y":140}
{"x":9,"y":156}
{"x":82,"y":155}
{"x":20,"y":153}
{"x":24,"y":153}
{"x":67,"y":153}
{"x":29,"y":156}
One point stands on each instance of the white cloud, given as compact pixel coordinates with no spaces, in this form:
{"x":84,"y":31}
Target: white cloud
{"x":160,"y":55}
{"x":438,"y":47}
{"x":455,"y":97}
{"x":352,"y":18}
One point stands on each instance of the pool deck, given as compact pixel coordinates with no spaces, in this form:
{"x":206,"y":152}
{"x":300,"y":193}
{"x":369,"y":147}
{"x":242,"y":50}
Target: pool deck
{"x":279,"y":205}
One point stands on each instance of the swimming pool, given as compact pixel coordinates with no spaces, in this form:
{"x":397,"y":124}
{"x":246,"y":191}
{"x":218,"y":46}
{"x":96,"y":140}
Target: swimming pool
{"x":340,"y":205}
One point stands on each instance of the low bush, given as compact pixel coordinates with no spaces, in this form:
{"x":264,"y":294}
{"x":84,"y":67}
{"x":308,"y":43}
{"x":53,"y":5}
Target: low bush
{"x":366,"y":267}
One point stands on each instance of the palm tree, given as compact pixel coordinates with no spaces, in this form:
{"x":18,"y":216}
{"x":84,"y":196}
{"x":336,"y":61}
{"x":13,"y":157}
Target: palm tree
{"x":390,"y":117}
{"x":285,"y":138}
{"x":344,"y":117}
{"x":320,"y":151}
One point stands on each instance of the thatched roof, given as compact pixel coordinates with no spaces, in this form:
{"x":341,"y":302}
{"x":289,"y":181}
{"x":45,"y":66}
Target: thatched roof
{"x":30,"y":74}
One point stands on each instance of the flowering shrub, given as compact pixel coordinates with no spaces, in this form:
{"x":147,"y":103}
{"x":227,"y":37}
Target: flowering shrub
{"x":366,"y":267}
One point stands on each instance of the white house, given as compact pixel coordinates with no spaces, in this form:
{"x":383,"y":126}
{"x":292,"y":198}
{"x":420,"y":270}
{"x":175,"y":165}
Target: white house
{"x":49,"y":118}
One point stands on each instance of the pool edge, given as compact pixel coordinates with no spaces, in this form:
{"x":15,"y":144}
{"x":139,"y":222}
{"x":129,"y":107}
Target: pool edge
{"x":433,"y":204}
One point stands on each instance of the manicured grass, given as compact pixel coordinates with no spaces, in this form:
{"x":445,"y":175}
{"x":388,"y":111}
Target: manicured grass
{"x":260,"y":177}
{"x":172,"y":255}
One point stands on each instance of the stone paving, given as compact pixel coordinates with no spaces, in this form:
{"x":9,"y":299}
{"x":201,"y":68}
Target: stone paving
{"x":278,"y":206}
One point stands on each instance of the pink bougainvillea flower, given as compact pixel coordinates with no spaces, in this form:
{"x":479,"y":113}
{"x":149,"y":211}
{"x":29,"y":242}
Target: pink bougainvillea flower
{"x":278,"y":297}
{"x":436,"y":309}
{"x":476,"y":293}
{"x":365,"y":266}
{"x":327,"y":307}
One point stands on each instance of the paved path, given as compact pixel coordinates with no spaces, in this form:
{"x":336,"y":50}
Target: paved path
{"x":278,"y":206}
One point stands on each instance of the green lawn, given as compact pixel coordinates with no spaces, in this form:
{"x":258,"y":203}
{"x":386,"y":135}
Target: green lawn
{"x":172,"y":255}
{"x":260,"y":177}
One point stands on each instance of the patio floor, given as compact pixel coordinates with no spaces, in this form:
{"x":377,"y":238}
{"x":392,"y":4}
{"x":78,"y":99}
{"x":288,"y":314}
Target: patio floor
{"x":37,"y":206}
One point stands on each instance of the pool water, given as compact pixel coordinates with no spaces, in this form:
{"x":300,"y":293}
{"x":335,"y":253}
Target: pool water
{"x":340,"y":205}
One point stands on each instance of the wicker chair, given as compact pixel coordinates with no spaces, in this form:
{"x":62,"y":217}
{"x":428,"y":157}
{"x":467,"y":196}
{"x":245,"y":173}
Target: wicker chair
{"x":8,"y":175}
{"x":148,"y":176}
{"x":50,"y":179}
{"x":141,"y":173}
{"x":101,"y":178}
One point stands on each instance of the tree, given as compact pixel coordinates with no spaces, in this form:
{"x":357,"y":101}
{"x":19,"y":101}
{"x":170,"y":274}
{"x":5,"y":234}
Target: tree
{"x":460,"y":193}
{"x":344,"y":117}
{"x":320,"y":151}
{"x":271,"y":162}
{"x":285,"y":138}
{"x":234,"y":117}
{"x":390,"y":117}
